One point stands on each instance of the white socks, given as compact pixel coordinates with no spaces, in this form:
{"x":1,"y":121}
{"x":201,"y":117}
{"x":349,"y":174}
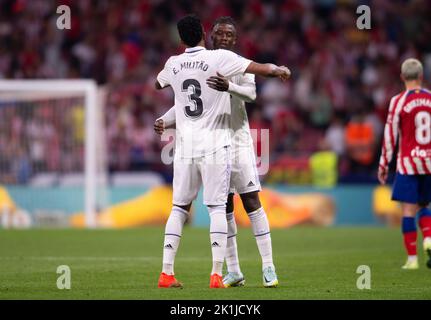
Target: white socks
{"x":412,"y":258}
{"x":261,"y":231}
{"x":218,"y":237}
{"x":223,"y":231}
{"x":232,"y":260}
{"x":173,"y":232}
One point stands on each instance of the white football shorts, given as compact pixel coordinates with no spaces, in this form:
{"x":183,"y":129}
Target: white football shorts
{"x":211,"y":171}
{"x":244,"y":176}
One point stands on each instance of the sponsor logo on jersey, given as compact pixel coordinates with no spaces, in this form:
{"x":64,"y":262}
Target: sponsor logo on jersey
{"x":420,"y":153}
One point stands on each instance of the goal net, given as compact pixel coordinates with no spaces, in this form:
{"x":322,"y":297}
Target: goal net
{"x":52,"y":150}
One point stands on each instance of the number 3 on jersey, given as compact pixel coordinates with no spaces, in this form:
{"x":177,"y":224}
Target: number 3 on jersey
{"x":423,"y":127}
{"x":197,"y":108}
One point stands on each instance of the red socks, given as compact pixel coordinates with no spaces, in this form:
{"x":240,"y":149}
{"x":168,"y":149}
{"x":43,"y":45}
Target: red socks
{"x":425,"y":222}
{"x":409,"y":229}
{"x":410,"y":235}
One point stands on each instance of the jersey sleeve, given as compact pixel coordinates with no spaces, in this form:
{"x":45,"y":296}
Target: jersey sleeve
{"x":164,"y":76}
{"x":231,"y":64}
{"x":390,"y":134}
{"x":245,"y":89}
{"x":169,"y":117}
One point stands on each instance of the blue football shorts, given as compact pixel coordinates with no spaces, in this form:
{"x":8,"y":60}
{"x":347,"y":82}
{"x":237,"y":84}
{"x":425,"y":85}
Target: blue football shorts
{"x":412,"y":188}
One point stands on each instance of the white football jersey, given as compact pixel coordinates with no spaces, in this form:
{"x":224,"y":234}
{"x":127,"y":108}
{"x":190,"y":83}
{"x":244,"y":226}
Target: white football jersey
{"x":239,"y":120}
{"x":203,"y":115}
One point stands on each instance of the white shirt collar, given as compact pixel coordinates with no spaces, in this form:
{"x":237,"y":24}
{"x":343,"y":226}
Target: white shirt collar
{"x":194,"y":49}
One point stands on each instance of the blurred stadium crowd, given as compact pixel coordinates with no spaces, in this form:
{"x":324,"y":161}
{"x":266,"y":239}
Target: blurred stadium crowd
{"x":337,"y":99}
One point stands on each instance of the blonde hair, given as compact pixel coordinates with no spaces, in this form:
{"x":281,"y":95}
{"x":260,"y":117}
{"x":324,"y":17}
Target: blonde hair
{"x":412,"y":69}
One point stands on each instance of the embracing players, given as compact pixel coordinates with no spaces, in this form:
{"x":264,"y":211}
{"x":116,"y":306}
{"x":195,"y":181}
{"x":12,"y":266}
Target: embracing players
{"x":244,"y":176}
{"x":409,"y":118}
{"x":202,"y":151}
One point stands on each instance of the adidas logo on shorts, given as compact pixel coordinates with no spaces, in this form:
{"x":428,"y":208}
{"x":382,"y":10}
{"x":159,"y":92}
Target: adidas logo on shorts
{"x":168,"y":246}
{"x":250,"y":184}
{"x":215,"y":244}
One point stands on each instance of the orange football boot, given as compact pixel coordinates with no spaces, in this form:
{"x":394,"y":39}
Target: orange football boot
{"x":216,"y":281}
{"x":168,"y":281}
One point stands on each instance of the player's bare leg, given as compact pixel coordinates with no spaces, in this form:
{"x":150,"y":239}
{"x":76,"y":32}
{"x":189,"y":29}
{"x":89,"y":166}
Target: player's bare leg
{"x":410,"y":234}
{"x":173,"y":232}
{"x":424,"y":215}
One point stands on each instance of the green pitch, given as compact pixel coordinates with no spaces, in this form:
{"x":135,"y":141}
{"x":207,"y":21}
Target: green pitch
{"x":312,"y":263}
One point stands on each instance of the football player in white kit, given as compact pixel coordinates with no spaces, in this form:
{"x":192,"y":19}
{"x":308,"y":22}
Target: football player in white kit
{"x":244,"y":177}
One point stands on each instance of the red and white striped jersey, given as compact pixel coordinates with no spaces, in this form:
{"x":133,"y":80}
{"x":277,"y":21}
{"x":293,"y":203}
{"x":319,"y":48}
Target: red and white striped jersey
{"x":409,"y":118}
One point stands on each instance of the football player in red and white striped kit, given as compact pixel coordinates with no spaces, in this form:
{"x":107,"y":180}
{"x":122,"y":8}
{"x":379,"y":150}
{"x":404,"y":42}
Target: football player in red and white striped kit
{"x":409,"y":122}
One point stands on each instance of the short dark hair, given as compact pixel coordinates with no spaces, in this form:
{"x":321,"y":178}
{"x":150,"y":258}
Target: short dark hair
{"x":224,"y":20}
{"x":190,"y":30}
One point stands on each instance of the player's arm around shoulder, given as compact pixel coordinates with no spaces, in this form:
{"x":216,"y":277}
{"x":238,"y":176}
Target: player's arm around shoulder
{"x":233,"y":64}
{"x":269,"y":70}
